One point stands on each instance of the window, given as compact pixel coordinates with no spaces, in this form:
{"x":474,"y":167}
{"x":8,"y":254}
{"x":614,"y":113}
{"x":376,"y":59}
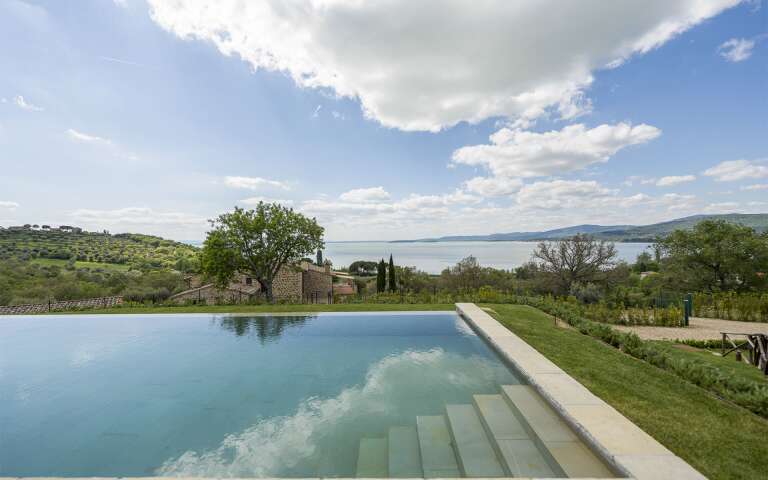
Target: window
{"x":248,"y":281}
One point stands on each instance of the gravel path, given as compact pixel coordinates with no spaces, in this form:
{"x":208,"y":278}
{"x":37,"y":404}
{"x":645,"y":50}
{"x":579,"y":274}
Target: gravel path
{"x":699,"y":329}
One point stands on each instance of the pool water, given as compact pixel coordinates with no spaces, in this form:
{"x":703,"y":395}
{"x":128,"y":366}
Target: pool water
{"x":222,"y":395}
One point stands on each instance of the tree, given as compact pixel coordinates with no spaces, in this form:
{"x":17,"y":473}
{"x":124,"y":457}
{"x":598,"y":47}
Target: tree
{"x":392,"y":275}
{"x":577,"y":259}
{"x":258,"y":242}
{"x":362,"y":267}
{"x":319,"y":258}
{"x":381,"y":277}
{"x":716,"y":255}
{"x":464,"y":276}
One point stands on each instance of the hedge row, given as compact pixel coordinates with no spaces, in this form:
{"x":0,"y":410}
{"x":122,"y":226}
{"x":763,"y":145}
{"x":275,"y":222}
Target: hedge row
{"x":745,"y":307}
{"x":746,"y":393}
{"x":660,"y":317}
{"x":705,"y":344}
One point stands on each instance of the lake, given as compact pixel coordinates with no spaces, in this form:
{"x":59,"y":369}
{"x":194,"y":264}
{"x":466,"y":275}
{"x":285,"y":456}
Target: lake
{"x":433,"y":257}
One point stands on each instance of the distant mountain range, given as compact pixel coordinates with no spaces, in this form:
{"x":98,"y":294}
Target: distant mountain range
{"x":617,"y":233}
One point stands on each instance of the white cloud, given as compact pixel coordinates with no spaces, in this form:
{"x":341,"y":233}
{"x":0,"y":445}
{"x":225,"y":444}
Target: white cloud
{"x":576,"y":197}
{"x":733,"y":170}
{"x":757,"y":186}
{"x":86,"y":138}
{"x":130,"y":216}
{"x":26,"y":105}
{"x":121,"y":3}
{"x":539,"y":205}
{"x":493,"y":186}
{"x":169,"y":224}
{"x":560,"y":194}
{"x":673,"y":180}
{"x":736,"y":49}
{"x":254,"y":183}
{"x":722,"y":207}
{"x":518,"y":153}
{"x":253,"y":201}
{"x":640,"y":179}
{"x":428,"y":65}
{"x":393,"y":215}
{"x":102,"y":142}
{"x":9,"y":205}
{"x":373,"y":194}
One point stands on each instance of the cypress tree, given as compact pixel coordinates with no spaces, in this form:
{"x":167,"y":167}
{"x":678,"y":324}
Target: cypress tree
{"x":381,"y":277}
{"x":319,"y":258}
{"x":392,"y":279}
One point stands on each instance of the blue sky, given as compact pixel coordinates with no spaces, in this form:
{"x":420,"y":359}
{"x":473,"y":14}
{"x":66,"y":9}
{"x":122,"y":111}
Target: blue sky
{"x":386,"y":121}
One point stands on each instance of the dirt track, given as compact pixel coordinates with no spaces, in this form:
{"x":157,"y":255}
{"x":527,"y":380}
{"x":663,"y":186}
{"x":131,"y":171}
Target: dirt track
{"x":699,"y":329}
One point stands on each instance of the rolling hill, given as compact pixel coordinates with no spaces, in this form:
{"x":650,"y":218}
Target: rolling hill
{"x":617,"y":233}
{"x":127,"y":250}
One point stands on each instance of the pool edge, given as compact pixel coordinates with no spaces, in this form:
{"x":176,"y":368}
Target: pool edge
{"x":617,"y":440}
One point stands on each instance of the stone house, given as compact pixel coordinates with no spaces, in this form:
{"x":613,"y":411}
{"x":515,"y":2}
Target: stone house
{"x":304,"y":282}
{"x":343,"y":284}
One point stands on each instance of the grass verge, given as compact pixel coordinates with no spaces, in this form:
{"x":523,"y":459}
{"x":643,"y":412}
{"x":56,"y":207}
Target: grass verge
{"x":721,"y":440}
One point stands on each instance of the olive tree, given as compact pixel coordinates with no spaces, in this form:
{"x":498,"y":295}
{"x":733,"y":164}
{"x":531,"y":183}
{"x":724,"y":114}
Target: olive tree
{"x":259,"y":242}
{"x":578,"y":259}
{"x":717,"y":256}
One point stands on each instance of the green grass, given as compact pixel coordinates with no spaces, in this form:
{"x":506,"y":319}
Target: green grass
{"x":384,"y":307}
{"x":727,"y":364}
{"x":719,"y":439}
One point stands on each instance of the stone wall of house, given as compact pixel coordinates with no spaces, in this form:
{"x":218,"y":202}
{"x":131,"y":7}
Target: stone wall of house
{"x":208,"y":294}
{"x":317,"y":284}
{"x":287,"y":284}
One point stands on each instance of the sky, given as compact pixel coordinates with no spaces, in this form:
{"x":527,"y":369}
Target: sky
{"x":384,"y":120}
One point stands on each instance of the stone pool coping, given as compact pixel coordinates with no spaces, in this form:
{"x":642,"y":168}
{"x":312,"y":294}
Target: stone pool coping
{"x":622,"y":444}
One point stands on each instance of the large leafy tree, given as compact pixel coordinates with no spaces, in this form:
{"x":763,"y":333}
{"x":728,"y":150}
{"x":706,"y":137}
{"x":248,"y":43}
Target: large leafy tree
{"x":716,"y":255}
{"x":578,"y":259}
{"x":259,"y":242}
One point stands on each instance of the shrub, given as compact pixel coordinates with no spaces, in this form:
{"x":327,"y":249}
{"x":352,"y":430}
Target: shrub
{"x":745,"y":307}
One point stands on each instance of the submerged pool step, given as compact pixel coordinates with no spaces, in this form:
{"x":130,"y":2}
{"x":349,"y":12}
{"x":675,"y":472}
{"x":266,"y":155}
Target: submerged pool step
{"x":474,"y":451}
{"x":519,"y":453}
{"x":437,"y":456}
{"x":570,"y":453}
{"x":372,"y":458}
{"x":404,"y":455}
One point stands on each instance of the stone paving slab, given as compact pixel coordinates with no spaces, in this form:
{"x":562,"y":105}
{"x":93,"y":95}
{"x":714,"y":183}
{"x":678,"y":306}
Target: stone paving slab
{"x":622,"y":444}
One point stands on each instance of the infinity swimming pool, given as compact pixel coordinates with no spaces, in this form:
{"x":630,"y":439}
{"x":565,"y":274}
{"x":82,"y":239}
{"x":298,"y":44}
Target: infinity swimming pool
{"x":329,"y":394}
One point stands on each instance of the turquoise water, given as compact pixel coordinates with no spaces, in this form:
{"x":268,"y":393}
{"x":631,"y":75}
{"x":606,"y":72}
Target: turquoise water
{"x":218,"y":395}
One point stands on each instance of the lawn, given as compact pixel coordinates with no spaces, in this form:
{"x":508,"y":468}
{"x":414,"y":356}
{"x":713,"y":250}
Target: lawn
{"x":719,"y":439}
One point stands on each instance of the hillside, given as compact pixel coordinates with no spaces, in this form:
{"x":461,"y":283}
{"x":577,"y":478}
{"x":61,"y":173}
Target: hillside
{"x":617,"y":233}
{"x":123,"y":251}
{"x":758,"y":221}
